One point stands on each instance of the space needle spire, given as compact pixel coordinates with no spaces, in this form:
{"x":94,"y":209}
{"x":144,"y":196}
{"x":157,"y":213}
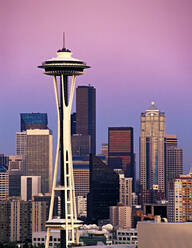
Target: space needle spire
{"x":64,"y":67}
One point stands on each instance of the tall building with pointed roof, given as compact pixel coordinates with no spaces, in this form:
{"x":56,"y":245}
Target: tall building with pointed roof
{"x":152,"y":153}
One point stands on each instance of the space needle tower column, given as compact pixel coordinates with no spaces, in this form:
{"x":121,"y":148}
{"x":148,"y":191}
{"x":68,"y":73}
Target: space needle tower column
{"x":63,"y":67}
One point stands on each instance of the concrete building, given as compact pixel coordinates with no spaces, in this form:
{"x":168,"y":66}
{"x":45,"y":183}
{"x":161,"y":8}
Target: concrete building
{"x":125,"y":236}
{"x":39,"y":209}
{"x":81,"y":206}
{"x":86,"y":113}
{"x":120,"y":216}
{"x":47,"y":199}
{"x":20,"y":220}
{"x":180,"y":199}
{"x":125,"y":190}
{"x":166,"y":235}
{"x":30,"y":186}
{"x":152,"y":153}
{"x":38,"y":238}
{"x":36,"y":147}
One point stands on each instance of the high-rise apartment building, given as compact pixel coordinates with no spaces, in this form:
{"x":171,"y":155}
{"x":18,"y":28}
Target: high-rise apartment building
{"x":104,"y":190}
{"x":39,"y":209}
{"x":20,"y":220}
{"x":125,"y":190}
{"x":86,"y":113}
{"x":120,"y":150}
{"x":36,"y":147}
{"x":180,"y":199}
{"x":174,"y":160}
{"x":152,"y":152}
{"x":33,"y":121}
{"x":120,"y":216}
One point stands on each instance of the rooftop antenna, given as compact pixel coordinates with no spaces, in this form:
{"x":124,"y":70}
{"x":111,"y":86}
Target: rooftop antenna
{"x":63,"y":40}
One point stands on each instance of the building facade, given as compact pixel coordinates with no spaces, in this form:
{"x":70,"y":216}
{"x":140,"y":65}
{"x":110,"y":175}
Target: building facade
{"x":152,"y":153}
{"x":174,"y":160}
{"x":180,"y":199}
{"x":33,"y":121}
{"x":81,"y":175}
{"x":120,"y":216}
{"x":20,"y":220}
{"x":4,"y":182}
{"x":120,"y":150}
{"x":36,"y":147}
{"x":86,"y":113}
{"x":30,"y":186}
{"x":15,"y":170}
{"x":104,"y":190}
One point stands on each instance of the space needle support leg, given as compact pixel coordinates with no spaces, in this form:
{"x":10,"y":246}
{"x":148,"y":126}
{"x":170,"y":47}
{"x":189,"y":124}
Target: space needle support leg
{"x":68,"y":166}
{"x":56,"y":159}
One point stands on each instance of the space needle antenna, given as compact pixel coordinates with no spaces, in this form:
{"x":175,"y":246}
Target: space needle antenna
{"x":63,"y":40}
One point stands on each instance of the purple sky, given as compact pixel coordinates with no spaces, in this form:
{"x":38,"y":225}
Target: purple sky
{"x":139,"y":51}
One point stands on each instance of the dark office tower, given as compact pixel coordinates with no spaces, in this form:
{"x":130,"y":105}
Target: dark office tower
{"x":104,"y":190}
{"x":81,"y":145}
{"x":15,"y":170}
{"x":4,"y":159}
{"x":120,"y":150}
{"x":86,"y":113}
{"x":174,"y":160}
{"x":73,"y":123}
{"x":33,"y":121}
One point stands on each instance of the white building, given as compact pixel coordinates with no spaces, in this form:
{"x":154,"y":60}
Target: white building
{"x":81,"y":206}
{"x":38,"y":238}
{"x":30,"y":186}
{"x":126,"y":236}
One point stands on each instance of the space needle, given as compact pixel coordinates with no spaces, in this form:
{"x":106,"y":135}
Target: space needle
{"x":64,"y":67}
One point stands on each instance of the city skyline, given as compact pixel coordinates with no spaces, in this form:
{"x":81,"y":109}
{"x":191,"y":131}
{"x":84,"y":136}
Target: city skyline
{"x":147,"y":46}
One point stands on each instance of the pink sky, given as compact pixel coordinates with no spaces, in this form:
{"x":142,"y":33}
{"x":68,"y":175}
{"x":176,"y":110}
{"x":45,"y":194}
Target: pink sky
{"x":139,"y":51}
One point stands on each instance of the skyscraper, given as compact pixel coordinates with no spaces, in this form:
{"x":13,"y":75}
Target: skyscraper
{"x":104,"y":190}
{"x":86,"y":113}
{"x":33,"y":121}
{"x":152,"y":153}
{"x":174,"y":160}
{"x":36,"y":147}
{"x":120,"y":150}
